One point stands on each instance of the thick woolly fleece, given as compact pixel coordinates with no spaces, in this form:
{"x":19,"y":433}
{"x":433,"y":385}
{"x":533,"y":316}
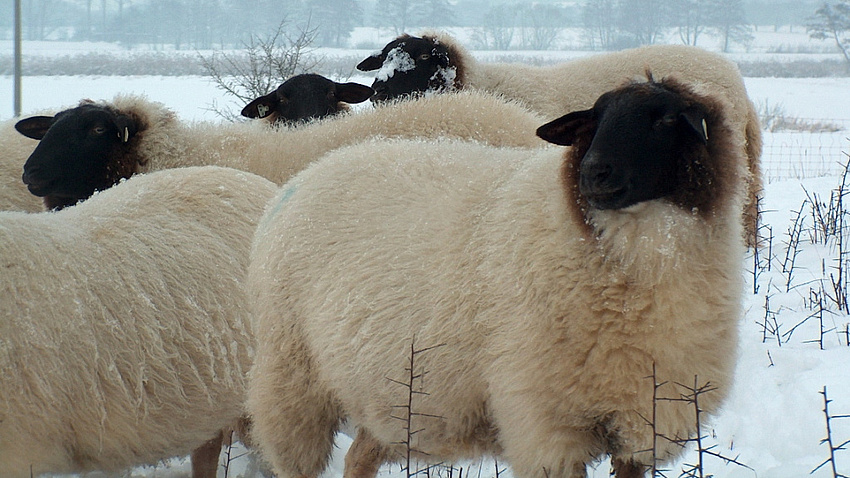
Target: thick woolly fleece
{"x":539,"y":328}
{"x":124,"y":326}
{"x":164,"y":142}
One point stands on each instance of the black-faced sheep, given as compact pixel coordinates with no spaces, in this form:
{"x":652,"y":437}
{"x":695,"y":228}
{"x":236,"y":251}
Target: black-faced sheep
{"x":125,"y":336}
{"x":93,"y":146}
{"x":304,"y":97}
{"x":437,"y":62}
{"x":14,"y":151}
{"x":547,"y":285}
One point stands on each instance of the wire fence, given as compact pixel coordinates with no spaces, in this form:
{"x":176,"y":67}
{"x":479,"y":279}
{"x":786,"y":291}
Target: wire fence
{"x":813,"y":148}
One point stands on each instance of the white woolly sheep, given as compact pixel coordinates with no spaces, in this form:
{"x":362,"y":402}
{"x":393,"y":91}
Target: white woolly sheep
{"x":125,"y":336}
{"x":549,"y":285}
{"x":305,"y":97}
{"x":437,"y":62}
{"x":14,"y":151}
{"x":133,"y":135}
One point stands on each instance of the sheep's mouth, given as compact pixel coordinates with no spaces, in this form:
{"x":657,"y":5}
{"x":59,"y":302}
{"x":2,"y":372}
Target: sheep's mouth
{"x":40,"y":189}
{"x":616,"y":199}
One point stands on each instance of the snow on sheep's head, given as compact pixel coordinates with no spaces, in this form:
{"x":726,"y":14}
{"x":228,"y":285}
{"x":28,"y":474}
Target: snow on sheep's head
{"x":411,"y":66}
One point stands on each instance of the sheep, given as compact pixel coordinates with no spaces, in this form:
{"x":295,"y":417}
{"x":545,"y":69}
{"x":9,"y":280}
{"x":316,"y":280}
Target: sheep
{"x":14,"y":151}
{"x":124,"y":329}
{"x":93,"y":146}
{"x":543,"y":289}
{"x":306,"y":96}
{"x":437,"y":62}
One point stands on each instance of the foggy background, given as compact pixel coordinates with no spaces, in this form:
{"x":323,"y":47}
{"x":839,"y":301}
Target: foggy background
{"x":208,"y":24}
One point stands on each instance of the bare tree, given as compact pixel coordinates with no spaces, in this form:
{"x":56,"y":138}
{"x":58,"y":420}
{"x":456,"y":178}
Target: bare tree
{"x":399,"y":14}
{"x":644,"y":21}
{"x":832,"y":21}
{"x":691,"y":18}
{"x":497,"y":30}
{"x":261,"y":67}
{"x":599,"y":19}
{"x":541,"y":25}
{"x":730,"y":22}
{"x":436,"y":13}
{"x":335,"y":20}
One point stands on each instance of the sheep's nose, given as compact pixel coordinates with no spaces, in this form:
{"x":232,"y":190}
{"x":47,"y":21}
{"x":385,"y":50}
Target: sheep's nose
{"x":596,"y":177}
{"x":598,"y":174}
{"x":37,"y":182}
{"x":380,"y":91}
{"x":603,"y":186}
{"x":31,"y":176}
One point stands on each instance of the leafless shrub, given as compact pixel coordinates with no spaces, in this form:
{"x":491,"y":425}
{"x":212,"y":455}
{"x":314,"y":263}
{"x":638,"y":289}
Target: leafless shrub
{"x":818,"y":307}
{"x":690,"y":395}
{"x":413,"y":386}
{"x":829,"y":440}
{"x":775,"y":118}
{"x":806,"y":68}
{"x":762,"y":261}
{"x":792,"y":246}
{"x":770,"y":325}
{"x":261,"y":66}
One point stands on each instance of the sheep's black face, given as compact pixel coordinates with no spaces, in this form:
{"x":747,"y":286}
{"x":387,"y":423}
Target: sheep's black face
{"x":305,"y":97}
{"x":72,"y":159}
{"x":639,"y":137}
{"x":409,"y":66}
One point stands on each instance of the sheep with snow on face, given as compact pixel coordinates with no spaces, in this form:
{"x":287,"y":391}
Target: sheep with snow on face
{"x":125,"y":336}
{"x":95,"y":145}
{"x":436,"y":62}
{"x":304,"y":97}
{"x":545,"y":286}
{"x":14,"y":151}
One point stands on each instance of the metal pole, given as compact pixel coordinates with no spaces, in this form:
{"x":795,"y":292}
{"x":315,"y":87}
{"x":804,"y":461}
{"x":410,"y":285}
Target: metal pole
{"x":18,"y":71}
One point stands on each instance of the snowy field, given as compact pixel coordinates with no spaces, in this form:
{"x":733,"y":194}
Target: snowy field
{"x":794,"y":335}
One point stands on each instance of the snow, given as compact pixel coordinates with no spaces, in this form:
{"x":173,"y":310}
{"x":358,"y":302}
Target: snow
{"x":773,"y":420}
{"x":397,"y":60}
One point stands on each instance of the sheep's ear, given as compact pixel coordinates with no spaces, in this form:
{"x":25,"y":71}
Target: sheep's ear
{"x":353,"y":92}
{"x":126,"y":127}
{"x":374,"y":62}
{"x":567,"y":128}
{"x":695,"y":118}
{"x":34,"y":127}
{"x":262,"y":106}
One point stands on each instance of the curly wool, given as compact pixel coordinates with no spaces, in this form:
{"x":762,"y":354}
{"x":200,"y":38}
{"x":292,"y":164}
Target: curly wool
{"x":164,"y":142}
{"x":125,"y":335}
{"x":545,"y":325}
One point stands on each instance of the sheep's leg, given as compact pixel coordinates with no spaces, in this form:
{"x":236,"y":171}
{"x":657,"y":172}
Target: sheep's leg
{"x":205,"y":458}
{"x":293,"y":418}
{"x":627,"y":469}
{"x":364,"y":457}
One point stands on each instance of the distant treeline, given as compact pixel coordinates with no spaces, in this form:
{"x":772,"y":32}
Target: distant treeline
{"x":183,"y":64}
{"x":205,"y":24}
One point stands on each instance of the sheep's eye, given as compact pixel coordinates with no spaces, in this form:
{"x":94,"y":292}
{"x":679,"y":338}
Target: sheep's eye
{"x":424,"y":57}
{"x":669,"y":119}
{"x":99,"y":129}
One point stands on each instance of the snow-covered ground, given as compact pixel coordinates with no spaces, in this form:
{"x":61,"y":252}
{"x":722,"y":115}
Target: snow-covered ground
{"x":773,"y":421}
